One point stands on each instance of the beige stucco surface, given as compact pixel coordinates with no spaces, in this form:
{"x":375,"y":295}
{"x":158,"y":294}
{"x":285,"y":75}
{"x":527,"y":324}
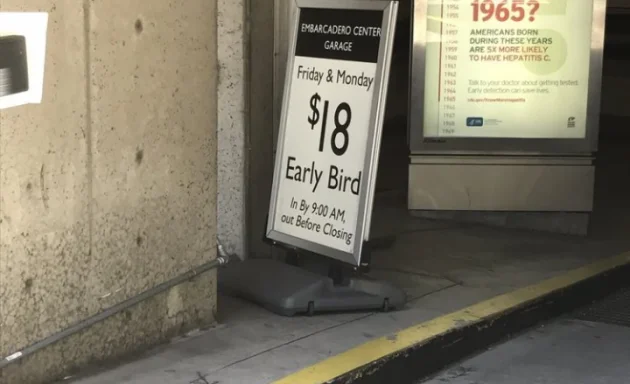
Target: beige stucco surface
{"x":108,"y":187}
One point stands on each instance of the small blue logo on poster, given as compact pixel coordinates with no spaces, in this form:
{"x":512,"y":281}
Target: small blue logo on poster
{"x":474,"y":121}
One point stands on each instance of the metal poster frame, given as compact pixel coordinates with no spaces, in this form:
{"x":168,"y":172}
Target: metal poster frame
{"x":419,"y":144}
{"x":377,"y":113}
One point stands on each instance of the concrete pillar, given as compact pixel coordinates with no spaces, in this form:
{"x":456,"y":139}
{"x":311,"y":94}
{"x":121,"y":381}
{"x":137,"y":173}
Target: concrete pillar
{"x":232,"y":128}
{"x":109,"y":187}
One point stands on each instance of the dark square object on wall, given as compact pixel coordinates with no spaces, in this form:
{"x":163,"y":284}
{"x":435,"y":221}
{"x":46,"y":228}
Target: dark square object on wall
{"x":13,"y":65}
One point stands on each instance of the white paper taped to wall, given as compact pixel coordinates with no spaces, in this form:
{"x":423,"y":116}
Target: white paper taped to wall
{"x":33,"y":26}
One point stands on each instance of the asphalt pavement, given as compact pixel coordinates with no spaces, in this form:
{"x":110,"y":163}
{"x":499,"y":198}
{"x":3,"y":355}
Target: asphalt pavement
{"x":591,"y":346}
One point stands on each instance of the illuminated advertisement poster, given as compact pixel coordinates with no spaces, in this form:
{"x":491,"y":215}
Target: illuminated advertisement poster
{"x":507,"y":68}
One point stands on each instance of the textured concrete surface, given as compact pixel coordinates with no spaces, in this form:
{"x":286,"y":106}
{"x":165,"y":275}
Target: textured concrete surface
{"x":108,"y":187}
{"x":231,"y":124}
{"x":153,"y":88}
{"x":44,"y":191}
{"x":564,"y":352}
{"x":142,"y":327}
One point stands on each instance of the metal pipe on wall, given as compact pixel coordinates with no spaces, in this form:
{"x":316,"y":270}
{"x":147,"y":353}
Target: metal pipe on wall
{"x":221,"y":260}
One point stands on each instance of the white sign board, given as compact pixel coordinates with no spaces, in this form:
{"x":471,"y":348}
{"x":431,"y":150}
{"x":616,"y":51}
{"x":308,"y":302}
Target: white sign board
{"x":332,"y":114}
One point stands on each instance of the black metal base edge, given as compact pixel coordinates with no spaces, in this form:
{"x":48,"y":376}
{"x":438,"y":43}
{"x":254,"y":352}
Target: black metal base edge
{"x":426,"y":359}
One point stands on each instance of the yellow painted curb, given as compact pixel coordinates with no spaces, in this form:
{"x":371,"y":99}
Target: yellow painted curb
{"x":377,"y":349}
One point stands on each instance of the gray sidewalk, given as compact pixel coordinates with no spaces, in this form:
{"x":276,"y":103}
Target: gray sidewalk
{"x":443,"y":268}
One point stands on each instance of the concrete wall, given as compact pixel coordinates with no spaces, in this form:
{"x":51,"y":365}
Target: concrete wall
{"x":108,"y":187}
{"x":232,"y":127}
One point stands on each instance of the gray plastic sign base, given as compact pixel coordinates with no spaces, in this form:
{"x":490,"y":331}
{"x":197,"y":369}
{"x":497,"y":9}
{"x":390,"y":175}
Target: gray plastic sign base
{"x":288,"y":290}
